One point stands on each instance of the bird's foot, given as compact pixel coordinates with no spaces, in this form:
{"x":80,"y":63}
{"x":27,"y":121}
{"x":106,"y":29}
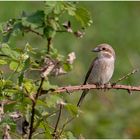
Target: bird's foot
{"x":106,"y":86}
{"x":103,"y":86}
{"x":99,"y":86}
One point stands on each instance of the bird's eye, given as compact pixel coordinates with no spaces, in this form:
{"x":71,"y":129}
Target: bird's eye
{"x":103,"y":48}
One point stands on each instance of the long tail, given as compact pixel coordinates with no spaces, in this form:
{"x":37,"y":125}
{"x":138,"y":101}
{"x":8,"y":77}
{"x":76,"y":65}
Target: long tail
{"x":82,"y":97}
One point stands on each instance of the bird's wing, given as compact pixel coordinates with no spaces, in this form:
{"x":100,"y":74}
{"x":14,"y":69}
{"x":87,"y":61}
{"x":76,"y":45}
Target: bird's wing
{"x":86,"y":78}
{"x":89,"y":71}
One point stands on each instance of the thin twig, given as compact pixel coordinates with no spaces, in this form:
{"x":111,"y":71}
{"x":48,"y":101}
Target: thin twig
{"x":31,"y":130}
{"x":125,"y":76}
{"x":12,"y":74}
{"x":51,"y":114}
{"x":65,"y":124}
{"x":46,"y":116}
{"x":33,"y":31}
{"x":57,"y":122}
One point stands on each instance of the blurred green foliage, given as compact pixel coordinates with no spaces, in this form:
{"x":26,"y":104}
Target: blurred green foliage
{"x":109,"y":114}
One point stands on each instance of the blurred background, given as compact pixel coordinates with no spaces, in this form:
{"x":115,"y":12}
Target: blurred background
{"x":109,"y":114}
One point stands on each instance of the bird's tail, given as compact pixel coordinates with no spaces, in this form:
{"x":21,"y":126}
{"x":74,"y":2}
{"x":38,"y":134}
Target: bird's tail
{"x":82,"y":97}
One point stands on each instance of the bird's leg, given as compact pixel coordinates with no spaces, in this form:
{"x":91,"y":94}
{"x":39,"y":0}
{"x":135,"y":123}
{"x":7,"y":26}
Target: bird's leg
{"x":106,"y":86}
{"x":99,"y":86}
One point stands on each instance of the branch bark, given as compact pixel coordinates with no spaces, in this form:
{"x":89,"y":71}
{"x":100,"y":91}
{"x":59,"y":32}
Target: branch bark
{"x":92,"y":86}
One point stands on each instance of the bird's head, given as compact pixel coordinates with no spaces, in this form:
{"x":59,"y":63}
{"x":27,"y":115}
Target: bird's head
{"x":104,"y":50}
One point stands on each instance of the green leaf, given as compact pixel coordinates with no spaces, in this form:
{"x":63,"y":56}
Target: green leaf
{"x":54,"y":24}
{"x":3,"y":62}
{"x":70,"y":7}
{"x":9,"y":52}
{"x":67,"y":67}
{"x":29,"y":85}
{"x":26,"y":64}
{"x":49,"y":6}
{"x":7,"y":83}
{"x":58,"y":7}
{"x":47,"y":86}
{"x":52,"y":100}
{"x":41,"y":103}
{"x":6,"y":37}
{"x":28,"y":47}
{"x":15,"y":29}
{"x":48,"y":132}
{"x":73,"y":109}
{"x":54,"y":52}
{"x":6,"y":120}
{"x":35,"y":20}
{"x":46,"y":127}
{"x":83,"y":16}
{"x":70,"y":135}
{"x":15,"y":66}
{"x":49,"y":32}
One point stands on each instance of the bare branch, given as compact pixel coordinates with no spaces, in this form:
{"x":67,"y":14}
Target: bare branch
{"x":92,"y":86}
{"x":58,"y":119}
{"x":126,"y":76}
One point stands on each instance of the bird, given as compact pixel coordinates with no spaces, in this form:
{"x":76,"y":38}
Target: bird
{"x":101,"y":68}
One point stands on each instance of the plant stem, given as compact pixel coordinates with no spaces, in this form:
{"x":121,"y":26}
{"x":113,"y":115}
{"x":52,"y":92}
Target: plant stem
{"x":57,"y":122}
{"x":31,"y":130}
{"x":33,"y":31}
{"x":65,"y":124}
{"x":49,"y":44}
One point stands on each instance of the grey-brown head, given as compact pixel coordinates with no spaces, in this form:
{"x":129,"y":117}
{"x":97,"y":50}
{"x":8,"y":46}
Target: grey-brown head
{"x":104,"y":50}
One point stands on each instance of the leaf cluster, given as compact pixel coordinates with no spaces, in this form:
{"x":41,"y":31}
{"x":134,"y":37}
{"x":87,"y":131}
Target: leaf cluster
{"x":22,"y":68}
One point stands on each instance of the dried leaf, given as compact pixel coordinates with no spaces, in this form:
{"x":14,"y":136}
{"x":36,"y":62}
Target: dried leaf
{"x":71,"y":57}
{"x":49,"y":65}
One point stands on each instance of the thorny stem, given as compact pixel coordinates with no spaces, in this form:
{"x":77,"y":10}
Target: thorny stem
{"x":92,"y":86}
{"x":31,"y":129}
{"x":125,"y":76}
{"x":57,"y":122}
{"x":109,"y":86}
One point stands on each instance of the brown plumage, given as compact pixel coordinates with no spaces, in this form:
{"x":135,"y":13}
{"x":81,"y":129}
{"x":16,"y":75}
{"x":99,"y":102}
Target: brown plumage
{"x":101,"y":69}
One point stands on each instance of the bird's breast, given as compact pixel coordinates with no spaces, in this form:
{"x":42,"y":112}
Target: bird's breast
{"x":102,"y":71}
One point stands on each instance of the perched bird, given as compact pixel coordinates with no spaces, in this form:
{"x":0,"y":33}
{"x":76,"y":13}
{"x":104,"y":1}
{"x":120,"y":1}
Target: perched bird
{"x":101,"y":69}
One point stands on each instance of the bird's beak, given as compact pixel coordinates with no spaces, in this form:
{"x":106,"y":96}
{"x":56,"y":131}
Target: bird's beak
{"x":96,"y":49}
